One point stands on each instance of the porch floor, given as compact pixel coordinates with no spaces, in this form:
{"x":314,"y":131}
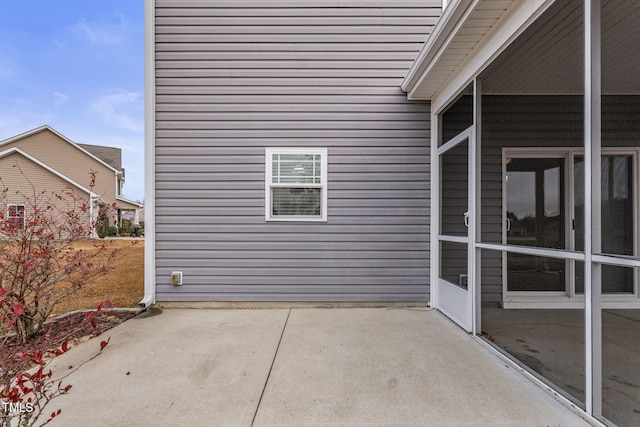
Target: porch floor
{"x":551,"y":343}
{"x":336,"y":366}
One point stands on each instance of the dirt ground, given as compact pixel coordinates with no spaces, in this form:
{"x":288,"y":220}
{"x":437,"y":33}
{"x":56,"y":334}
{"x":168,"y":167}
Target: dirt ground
{"x":124,"y":286}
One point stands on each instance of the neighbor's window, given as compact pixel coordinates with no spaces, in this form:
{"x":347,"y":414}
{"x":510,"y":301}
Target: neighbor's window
{"x":15,"y":214}
{"x":296,"y":184}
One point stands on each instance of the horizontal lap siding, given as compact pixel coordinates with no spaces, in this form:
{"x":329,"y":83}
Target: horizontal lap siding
{"x":69,"y":161}
{"x":235,"y":77}
{"x":32,"y":185}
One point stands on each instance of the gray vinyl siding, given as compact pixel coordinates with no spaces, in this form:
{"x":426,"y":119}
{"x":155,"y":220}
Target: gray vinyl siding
{"x":537,"y":121}
{"x":236,"y":77}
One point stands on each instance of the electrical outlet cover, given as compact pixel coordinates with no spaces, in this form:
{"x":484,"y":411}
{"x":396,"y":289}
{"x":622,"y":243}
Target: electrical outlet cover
{"x":176,"y":278}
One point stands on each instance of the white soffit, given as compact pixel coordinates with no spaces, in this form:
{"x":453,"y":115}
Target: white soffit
{"x":469,"y":34}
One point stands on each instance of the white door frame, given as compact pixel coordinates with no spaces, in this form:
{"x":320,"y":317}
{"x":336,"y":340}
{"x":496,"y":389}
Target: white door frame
{"x":460,"y":305}
{"x":453,"y":300}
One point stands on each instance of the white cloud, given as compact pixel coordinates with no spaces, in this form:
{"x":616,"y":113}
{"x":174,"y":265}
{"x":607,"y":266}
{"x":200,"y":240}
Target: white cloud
{"x":59,"y":98}
{"x":122,"y":109}
{"x":99,"y":34}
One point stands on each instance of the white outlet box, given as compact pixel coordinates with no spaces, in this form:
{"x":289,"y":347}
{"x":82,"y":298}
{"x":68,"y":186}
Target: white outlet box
{"x":176,"y":278}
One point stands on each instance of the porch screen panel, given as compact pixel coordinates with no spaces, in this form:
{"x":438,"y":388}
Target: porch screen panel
{"x":617,"y":194}
{"x":454,"y":190}
{"x":535,"y":204}
{"x":454,"y":263}
{"x":621,"y":364}
{"x":617,"y":204}
{"x":549,"y":342}
{"x":457,"y":118}
{"x":534,"y":273}
{"x":620,"y":216}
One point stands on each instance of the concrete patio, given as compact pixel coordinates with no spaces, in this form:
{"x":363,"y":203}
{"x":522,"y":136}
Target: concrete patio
{"x":355,"y":366}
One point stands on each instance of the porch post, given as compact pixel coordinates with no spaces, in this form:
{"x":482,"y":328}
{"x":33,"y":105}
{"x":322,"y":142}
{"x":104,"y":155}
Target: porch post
{"x":592,"y":149}
{"x":436,"y":125}
{"x":474,"y":189}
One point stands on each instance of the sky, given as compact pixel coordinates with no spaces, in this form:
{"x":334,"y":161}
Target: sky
{"x":77,"y":66}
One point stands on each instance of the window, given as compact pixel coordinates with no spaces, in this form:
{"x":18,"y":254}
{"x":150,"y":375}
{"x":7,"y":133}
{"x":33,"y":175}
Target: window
{"x":296,"y":184}
{"x":15,"y":214}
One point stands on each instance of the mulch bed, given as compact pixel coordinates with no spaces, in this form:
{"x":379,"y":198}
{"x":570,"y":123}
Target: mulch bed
{"x":69,"y":328}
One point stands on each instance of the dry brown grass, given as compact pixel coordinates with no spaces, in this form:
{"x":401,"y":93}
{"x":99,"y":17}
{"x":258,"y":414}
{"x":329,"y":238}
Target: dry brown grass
{"x":124,"y":286}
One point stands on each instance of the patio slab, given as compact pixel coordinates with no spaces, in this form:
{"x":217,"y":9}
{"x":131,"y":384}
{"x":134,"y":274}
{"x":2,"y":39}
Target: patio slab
{"x":262,"y":367}
{"x":179,"y":368}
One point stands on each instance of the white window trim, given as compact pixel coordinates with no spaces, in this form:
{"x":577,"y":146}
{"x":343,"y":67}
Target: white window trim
{"x":269,"y":152}
{"x":24,"y":212}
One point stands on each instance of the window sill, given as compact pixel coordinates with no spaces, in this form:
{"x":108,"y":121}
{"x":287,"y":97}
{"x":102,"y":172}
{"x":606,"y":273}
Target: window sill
{"x":296,"y":219}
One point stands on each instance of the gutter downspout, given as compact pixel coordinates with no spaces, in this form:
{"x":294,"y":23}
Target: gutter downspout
{"x":149,"y":157}
{"x":94,"y":211}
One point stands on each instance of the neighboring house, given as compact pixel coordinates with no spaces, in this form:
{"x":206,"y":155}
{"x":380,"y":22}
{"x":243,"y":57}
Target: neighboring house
{"x":287,"y":165}
{"x":50,"y":162}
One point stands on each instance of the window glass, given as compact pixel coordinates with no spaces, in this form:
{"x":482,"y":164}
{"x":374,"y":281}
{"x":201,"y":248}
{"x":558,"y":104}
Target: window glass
{"x":289,"y":168}
{"x":454,"y":192}
{"x":453,"y":263}
{"x":15,"y":213}
{"x":295,"y":201}
{"x":535,"y":202}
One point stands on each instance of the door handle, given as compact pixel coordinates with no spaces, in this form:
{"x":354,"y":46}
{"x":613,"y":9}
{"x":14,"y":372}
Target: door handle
{"x":508,"y":224}
{"x":466,"y":218}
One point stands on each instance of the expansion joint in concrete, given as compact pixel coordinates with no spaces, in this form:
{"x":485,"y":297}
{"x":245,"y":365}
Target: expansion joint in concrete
{"x":273,"y":361}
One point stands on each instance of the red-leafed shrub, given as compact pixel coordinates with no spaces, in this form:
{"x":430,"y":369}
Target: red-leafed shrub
{"x":27,"y":385}
{"x":41,"y":265}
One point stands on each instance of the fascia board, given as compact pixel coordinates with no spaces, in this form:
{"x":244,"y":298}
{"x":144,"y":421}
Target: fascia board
{"x":24,"y":135}
{"x":131,"y":202}
{"x":58,"y":134}
{"x":452,"y":18}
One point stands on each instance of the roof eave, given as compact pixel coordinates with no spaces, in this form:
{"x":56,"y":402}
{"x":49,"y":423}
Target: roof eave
{"x":430,"y":79}
{"x":451,"y":19}
{"x":61,"y":136}
{"x":131,"y":202}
